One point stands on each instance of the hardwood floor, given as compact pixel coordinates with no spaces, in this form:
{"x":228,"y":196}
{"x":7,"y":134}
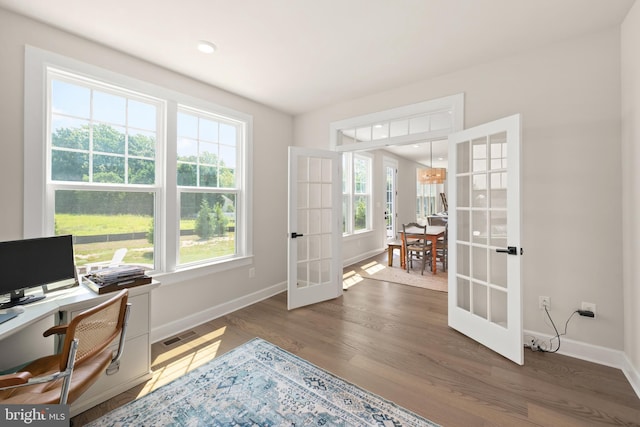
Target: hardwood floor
{"x":393,"y":340}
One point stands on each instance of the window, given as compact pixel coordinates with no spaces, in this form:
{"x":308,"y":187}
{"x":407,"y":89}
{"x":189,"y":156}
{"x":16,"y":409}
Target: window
{"x":134,"y":166}
{"x":423,"y":121}
{"x":101,"y":171}
{"x":356,"y":193}
{"x":207,"y":185}
{"x":421,"y":124}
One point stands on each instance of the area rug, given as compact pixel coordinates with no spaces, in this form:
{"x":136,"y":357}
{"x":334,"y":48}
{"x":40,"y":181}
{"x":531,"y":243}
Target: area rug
{"x":377,"y":271}
{"x":260,"y":384}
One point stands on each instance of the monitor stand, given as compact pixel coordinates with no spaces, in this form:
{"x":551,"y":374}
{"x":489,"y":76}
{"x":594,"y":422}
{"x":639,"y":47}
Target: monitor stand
{"x":19,"y":298}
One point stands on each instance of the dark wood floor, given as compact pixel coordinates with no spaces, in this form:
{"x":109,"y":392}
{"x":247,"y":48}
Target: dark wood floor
{"x":393,"y":340}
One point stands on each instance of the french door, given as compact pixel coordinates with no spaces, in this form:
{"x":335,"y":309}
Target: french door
{"x":485,"y":301}
{"x":315,"y":226}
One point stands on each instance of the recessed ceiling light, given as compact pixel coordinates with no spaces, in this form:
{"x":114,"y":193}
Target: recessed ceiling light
{"x":206,"y":47}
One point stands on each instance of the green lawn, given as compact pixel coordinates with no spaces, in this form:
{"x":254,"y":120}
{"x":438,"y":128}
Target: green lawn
{"x":89,"y":225}
{"x":139,"y":251}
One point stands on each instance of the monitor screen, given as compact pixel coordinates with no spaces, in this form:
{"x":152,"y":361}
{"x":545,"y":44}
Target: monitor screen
{"x":35,"y":262}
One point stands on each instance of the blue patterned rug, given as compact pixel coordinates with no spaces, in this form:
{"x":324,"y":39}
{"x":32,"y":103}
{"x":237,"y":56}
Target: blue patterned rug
{"x":260,"y":384}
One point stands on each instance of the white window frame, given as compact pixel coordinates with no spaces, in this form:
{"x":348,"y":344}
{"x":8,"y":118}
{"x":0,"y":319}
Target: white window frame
{"x":39,"y":209}
{"x":350,"y":193}
{"x":453,"y":105}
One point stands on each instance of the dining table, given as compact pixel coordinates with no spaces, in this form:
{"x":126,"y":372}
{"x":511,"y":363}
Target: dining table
{"x":434,"y":232}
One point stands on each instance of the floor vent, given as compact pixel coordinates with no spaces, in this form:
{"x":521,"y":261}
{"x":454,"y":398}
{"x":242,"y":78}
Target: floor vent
{"x":178,"y":338}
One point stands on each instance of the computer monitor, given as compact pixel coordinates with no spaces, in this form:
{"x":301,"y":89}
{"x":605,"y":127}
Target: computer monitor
{"x":35,"y":262}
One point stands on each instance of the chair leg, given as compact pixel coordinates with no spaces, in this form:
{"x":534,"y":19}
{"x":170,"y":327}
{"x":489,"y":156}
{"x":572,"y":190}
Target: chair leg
{"x":426,"y":256}
{"x":407,"y":260}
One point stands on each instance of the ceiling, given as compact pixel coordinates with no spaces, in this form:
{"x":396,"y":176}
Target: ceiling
{"x":432,"y":154}
{"x":301,"y":55}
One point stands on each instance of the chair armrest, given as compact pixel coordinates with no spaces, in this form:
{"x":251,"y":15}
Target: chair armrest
{"x":55,"y":330}
{"x":10,"y":380}
{"x":114,"y":366}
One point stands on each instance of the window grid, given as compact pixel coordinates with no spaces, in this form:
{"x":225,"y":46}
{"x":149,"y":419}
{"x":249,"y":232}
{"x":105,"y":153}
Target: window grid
{"x":356,"y":193}
{"x":84,"y":141}
{"x":112,"y":136}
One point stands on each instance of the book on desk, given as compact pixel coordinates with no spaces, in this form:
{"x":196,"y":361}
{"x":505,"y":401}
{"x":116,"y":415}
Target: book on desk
{"x":113,"y":279}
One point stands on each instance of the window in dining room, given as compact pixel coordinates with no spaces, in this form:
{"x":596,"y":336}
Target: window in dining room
{"x":356,"y":193}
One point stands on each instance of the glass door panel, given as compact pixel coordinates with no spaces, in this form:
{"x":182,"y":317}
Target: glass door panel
{"x":314,"y":272}
{"x":484,"y":214}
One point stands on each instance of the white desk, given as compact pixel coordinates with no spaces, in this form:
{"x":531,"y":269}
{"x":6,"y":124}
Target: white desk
{"x":21,"y":338}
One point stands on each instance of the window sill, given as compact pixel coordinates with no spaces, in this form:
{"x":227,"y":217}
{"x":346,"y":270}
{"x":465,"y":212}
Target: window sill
{"x":195,"y":272}
{"x":357,"y":235}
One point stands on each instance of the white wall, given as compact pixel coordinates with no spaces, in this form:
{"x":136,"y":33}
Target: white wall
{"x":631,"y":185}
{"x":177,"y":304}
{"x":569,"y":97}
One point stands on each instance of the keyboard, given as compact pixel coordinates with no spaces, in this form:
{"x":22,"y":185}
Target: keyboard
{"x":7,"y":316}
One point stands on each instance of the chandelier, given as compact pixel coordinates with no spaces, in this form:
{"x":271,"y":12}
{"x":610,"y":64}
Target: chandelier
{"x":432,"y":175}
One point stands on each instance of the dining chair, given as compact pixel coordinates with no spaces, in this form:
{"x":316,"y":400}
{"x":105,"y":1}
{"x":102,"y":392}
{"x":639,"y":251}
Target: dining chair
{"x":442,"y":248}
{"x":417,"y":248}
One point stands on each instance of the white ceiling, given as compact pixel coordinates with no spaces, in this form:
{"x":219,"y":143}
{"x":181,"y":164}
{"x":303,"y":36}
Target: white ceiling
{"x":432,"y":154}
{"x":300,"y":55}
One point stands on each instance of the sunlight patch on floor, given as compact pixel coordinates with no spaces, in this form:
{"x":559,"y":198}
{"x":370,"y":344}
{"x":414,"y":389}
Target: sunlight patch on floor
{"x":373,"y":267}
{"x":187,"y":356}
{"x":350,"y":278}
{"x":192,"y":360}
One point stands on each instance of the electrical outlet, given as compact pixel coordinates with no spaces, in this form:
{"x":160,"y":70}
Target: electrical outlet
{"x":252,"y":273}
{"x":589,"y":306}
{"x":544,"y":301}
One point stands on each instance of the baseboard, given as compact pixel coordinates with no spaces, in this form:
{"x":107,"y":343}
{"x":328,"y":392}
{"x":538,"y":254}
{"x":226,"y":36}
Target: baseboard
{"x":632,"y":375}
{"x":594,"y":353}
{"x":174,"y":328}
{"x":362,"y":257}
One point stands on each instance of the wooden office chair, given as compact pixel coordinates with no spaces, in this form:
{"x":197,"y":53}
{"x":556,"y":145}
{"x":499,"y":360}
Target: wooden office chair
{"x":62,"y":378}
{"x":419,"y":249}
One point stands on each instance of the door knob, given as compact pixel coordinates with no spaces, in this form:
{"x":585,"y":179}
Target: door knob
{"x":511,"y":250}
